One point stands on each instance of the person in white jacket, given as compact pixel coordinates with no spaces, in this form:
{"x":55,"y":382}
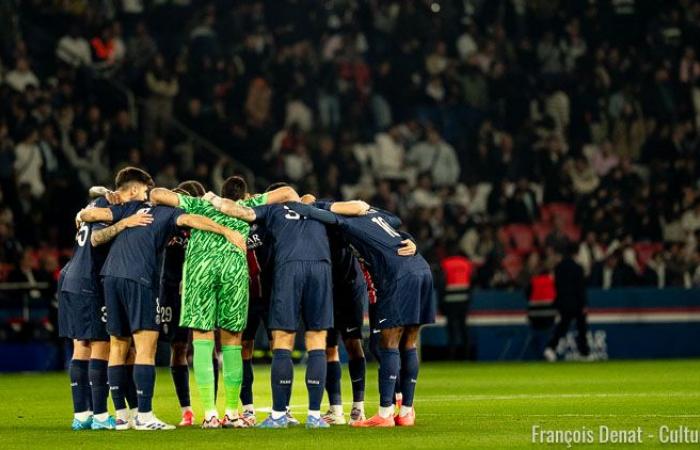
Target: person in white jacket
{"x":436,"y":157}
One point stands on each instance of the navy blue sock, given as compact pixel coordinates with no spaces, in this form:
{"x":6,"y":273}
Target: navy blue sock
{"x":99,"y":389}
{"x":409,"y":375}
{"x":358,"y":369}
{"x":215,"y":363}
{"x":389,"y":363}
{"x":181,"y":380}
{"x":247,"y":385}
{"x":79,"y":385}
{"x":316,"y":377}
{"x":130,"y":387}
{"x":117,"y":377}
{"x":145,"y":380}
{"x":397,"y":388}
{"x":333,"y":375}
{"x":282,"y":375}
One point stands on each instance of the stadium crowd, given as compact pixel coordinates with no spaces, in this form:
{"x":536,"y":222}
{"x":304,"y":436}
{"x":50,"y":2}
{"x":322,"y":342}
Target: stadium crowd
{"x":504,"y":128}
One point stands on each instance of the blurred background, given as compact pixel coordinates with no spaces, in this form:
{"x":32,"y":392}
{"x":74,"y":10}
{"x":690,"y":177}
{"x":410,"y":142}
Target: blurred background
{"x":503,"y":132}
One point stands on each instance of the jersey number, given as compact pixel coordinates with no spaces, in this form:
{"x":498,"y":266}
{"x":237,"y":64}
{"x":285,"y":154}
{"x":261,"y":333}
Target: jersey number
{"x":291,"y":215}
{"x":81,"y":236}
{"x":385,"y":226}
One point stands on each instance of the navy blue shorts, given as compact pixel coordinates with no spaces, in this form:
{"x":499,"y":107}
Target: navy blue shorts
{"x":409,"y":301}
{"x":82,"y":317}
{"x":258,"y":314}
{"x":131,"y":307}
{"x":170,"y":305}
{"x":349,"y":302}
{"x":302,"y":290}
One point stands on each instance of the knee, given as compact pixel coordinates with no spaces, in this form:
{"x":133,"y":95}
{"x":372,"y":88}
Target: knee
{"x":229,"y":338}
{"x":81,"y":350}
{"x":354,"y":348}
{"x":315,"y":340}
{"x":390,"y":338}
{"x":178,"y":355}
{"x":283,"y":340}
{"x":99,"y":350}
{"x":332,"y":354}
{"x":247,"y":348}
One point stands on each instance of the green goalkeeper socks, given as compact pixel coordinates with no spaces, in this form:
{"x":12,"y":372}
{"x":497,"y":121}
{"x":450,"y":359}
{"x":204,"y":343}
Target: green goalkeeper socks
{"x":204,"y":372}
{"x":233,"y":375}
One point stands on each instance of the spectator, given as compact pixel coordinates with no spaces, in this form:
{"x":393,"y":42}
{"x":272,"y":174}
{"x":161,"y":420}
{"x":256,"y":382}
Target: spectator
{"x":29,"y":163}
{"x":21,"y":77}
{"x":612,"y":272}
{"x":73,"y":49}
{"x":437,"y":157}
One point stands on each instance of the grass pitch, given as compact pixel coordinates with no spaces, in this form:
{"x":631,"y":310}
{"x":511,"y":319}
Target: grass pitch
{"x":458,"y":405}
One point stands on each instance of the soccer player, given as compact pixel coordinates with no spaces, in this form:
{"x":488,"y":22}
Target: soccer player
{"x":215,"y":295}
{"x":404,"y":297}
{"x":301,"y":290}
{"x":349,"y":297}
{"x":170,"y":302}
{"x":260,"y":259}
{"x":81,"y":310}
{"x":129,"y":278}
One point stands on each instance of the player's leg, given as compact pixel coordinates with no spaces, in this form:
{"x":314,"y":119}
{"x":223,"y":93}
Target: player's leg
{"x":199,"y":296}
{"x":130,"y":392}
{"x":582,"y":334}
{"x":99,"y":357}
{"x":80,"y":385}
{"x":409,"y":375}
{"x":119,"y":345}
{"x":317,"y":313}
{"x":180,"y":372}
{"x":335,"y":415}
{"x":178,"y":339}
{"x":285,"y":310}
{"x":247,"y":347}
{"x":357,"y":365}
{"x":233,"y":377}
{"x":232,"y":313}
{"x":117,"y":378}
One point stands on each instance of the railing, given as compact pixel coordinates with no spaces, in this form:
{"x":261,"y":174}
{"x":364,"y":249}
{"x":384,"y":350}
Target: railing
{"x":26,"y":294}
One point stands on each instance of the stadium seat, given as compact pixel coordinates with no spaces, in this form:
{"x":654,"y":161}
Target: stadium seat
{"x":564,"y":211}
{"x":517,"y":237}
{"x":541,"y":230}
{"x":572,"y":231}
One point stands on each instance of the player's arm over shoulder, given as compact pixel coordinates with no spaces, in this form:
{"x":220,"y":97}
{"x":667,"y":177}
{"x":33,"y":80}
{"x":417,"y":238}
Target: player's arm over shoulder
{"x":281,"y":195}
{"x":231,"y":208}
{"x":162,"y":196}
{"x":205,"y":224}
{"x":350,"y":208}
{"x":96,"y":215}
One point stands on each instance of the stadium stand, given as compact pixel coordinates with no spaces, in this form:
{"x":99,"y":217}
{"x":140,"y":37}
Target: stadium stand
{"x":503,"y":127}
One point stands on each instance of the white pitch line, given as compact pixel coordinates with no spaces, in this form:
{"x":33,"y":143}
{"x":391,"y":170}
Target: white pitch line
{"x":466,"y":398}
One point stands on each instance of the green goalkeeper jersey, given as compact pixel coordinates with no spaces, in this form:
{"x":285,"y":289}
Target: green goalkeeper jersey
{"x":212,"y":243}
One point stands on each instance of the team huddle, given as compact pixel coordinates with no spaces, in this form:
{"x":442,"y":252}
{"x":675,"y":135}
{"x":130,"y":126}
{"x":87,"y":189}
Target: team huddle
{"x":189,"y":266}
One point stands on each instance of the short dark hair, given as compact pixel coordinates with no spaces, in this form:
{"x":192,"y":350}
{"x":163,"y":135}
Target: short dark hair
{"x":132,"y":175}
{"x":277,"y":185}
{"x":192,"y":188}
{"x":234,"y":188}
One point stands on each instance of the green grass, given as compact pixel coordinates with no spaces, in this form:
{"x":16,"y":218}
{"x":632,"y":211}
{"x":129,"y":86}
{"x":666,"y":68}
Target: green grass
{"x":458,"y":405}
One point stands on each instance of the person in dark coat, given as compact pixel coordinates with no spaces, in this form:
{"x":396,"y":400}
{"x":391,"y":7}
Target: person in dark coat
{"x":570,"y":302}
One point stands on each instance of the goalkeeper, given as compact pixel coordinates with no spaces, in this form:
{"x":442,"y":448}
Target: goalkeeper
{"x":215,"y":295}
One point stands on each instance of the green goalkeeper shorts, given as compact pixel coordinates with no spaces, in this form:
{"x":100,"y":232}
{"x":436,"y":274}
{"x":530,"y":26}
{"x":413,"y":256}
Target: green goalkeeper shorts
{"x":215,"y":292}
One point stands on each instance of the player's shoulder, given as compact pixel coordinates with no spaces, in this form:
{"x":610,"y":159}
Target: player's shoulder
{"x":99,"y":202}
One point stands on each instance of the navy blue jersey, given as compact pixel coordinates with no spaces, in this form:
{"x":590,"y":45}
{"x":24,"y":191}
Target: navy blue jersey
{"x":81,"y":274}
{"x":377,"y":242}
{"x":293,"y":237}
{"x":135,"y":252}
{"x":174,"y":257}
{"x":259,"y":259}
